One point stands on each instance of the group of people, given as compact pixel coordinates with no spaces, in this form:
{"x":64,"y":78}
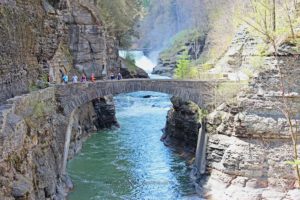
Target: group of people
{"x":65,"y":78}
{"x":119,"y":76}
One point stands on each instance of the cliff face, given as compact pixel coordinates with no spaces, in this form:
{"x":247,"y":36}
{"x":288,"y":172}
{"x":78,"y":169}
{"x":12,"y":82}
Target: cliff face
{"x":97,"y":115}
{"x":249,"y":141}
{"x":182,"y":126}
{"x":168,"y":59}
{"x":29,"y":38}
{"x":40,"y":38}
{"x":32,"y":139}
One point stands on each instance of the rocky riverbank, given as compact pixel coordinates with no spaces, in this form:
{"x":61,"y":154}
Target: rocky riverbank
{"x":32,"y":143}
{"x":182,"y":126}
{"x":248,"y":139}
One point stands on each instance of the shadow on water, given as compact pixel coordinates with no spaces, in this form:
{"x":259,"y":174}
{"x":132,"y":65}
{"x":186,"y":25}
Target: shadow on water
{"x":131,"y":162}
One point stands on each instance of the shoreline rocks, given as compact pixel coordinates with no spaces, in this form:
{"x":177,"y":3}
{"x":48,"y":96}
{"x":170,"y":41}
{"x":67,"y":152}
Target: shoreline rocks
{"x":182,"y":126}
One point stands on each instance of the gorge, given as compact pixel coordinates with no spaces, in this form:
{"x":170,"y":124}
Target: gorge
{"x":223,"y":124}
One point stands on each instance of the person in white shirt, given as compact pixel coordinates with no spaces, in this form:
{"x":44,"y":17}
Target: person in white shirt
{"x":75,"y":79}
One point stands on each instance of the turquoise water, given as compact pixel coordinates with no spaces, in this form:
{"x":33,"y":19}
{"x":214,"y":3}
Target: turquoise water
{"x":131,"y":162}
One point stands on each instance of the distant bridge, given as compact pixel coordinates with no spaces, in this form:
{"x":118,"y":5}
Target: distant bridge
{"x":72,"y":96}
{"x":137,"y":49}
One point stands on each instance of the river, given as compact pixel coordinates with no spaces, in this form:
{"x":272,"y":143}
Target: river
{"x":131,"y":162}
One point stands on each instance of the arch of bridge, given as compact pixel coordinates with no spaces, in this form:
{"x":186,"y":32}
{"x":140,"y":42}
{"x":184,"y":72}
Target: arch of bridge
{"x":72,"y":96}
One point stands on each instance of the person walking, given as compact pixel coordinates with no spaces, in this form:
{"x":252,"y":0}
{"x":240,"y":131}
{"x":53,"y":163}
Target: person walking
{"x":65,"y":79}
{"x":83,"y":78}
{"x":75,"y":79}
{"x":93,"y":79}
{"x":62,"y":74}
{"x":119,"y":76}
{"x":112,"y":76}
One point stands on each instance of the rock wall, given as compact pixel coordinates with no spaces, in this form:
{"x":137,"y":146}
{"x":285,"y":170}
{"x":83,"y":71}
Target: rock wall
{"x":42,"y":38}
{"x":167,"y":62}
{"x":29,"y":38}
{"x":32,"y":136}
{"x":32,"y":139}
{"x":182,"y":126}
{"x":249,"y":140}
{"x":92,"y":117}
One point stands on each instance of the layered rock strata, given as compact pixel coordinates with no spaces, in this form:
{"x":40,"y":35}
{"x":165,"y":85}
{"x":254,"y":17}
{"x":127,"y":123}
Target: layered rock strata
{"x":32,"y":140}
{"x":250,"y":141}
{"x":41,"y":39}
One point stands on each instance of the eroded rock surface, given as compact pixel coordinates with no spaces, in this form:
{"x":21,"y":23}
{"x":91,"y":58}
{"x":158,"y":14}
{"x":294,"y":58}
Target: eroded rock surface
{"x":41,"y":39}
{"x":32,"y":140}
{"x":182,"y":126}
{"x":249,"y":141}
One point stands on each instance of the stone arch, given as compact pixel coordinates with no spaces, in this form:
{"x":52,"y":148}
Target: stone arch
{"x":72,"y":96}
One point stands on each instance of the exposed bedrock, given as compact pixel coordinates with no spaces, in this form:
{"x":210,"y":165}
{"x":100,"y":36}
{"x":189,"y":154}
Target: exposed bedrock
{"x":249,"y":140}
{"x":42,"y":38}
{"x":182,"y":126}
{"x":94,"y":116}
{"x":32,"y":140}
{"x":130,"y":70}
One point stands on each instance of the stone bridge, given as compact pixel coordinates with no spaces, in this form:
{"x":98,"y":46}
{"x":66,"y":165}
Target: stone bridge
{"x":72,"y":96}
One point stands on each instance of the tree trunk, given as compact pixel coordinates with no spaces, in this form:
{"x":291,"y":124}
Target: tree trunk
{"x":274,"y":15}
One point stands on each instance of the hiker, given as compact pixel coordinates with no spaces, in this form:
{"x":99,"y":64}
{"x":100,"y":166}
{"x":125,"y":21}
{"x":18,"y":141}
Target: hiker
{"x":119,"y":76}
{"x":65,"y":79}
{"x":75,"y":79}
{"x":112,"y":76}
{"x":93,"y":77}
{"x":83,"y":78}
{"x":62,"y":75}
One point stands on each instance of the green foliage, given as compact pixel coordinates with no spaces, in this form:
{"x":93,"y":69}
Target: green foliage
{"x":179,"y":40}
{"x":203,"y":113}
{"x":33,"y":87}
{"x":130,"y":62}
{"x":182,"y":68}
{"x":120,"y":17}
{"x":272,"y":23}
{"x":257,"y":62}
{"x":293,"y":162}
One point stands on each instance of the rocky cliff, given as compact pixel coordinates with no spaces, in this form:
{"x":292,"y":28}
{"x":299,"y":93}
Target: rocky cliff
{"x":32,"y":140}
{"x":40,"y":39}
{"x":94,"y":116}
{"x":168,"y":59}
{"x":249,"y":140}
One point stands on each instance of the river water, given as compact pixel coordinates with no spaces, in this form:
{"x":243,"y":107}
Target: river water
{"x":131,"y":162}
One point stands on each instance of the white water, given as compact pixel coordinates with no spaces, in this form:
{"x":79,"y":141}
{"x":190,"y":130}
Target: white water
{"x":144,"y":62}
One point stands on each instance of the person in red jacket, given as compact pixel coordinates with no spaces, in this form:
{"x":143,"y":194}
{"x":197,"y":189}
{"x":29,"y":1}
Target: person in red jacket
{"x":93,"y":79}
